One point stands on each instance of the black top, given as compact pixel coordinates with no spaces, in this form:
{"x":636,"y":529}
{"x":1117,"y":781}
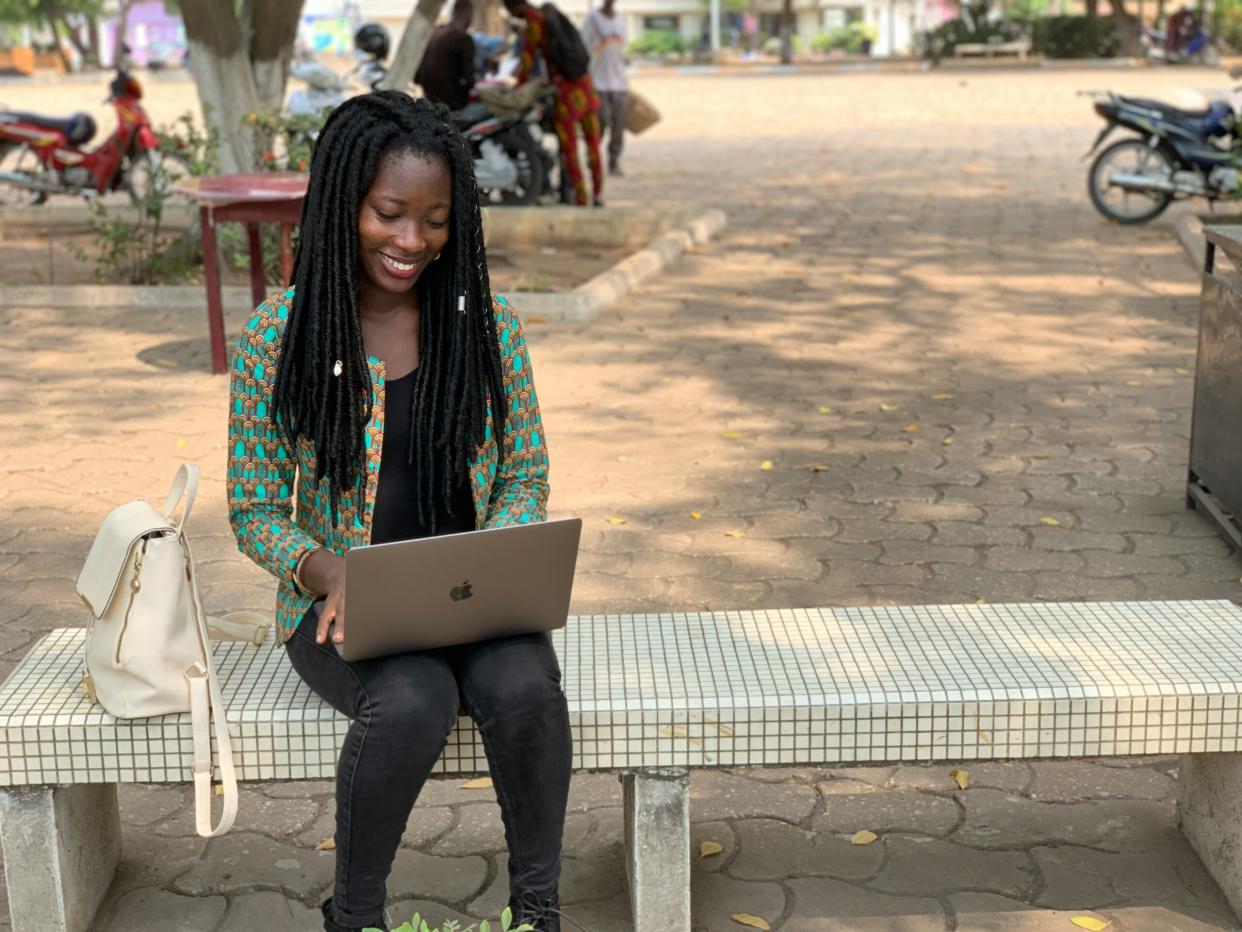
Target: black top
{"x":396,"y":503}
{"x":447,"y":69}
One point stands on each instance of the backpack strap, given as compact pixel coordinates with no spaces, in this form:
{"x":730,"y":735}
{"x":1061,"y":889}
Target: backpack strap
{"x":185,"y":486}
{"x":206,"y":708}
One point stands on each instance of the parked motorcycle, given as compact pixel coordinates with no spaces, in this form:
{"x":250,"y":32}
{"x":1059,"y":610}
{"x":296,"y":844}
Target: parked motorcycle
{"x":1196,"y":47}
{"x":325,"y":89}
{"x":42,"y":155}
{"x":1177,"y":154}
{"x":501,"y":125}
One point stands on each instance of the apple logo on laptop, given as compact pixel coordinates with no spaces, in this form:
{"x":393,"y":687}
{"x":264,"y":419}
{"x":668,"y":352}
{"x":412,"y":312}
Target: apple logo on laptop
{"x":461,"y":593}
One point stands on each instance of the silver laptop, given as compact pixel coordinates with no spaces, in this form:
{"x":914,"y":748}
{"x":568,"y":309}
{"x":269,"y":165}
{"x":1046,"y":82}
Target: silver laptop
{"x":457,"y":588}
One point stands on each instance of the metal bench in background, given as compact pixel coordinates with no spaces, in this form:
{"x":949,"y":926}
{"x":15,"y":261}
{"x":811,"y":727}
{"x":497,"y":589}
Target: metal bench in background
{"x":653,"y":695}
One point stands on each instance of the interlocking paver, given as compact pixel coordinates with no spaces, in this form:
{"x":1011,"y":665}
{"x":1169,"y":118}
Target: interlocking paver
{"x":906,"y":237}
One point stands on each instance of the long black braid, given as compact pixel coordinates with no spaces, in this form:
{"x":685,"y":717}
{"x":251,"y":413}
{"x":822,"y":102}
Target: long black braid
{"x":459,"y":360}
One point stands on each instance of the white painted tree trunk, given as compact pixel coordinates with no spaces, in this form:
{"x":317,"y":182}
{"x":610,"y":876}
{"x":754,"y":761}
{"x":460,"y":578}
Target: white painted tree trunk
{"x":418,"y":29}
{"x":226,"y":88}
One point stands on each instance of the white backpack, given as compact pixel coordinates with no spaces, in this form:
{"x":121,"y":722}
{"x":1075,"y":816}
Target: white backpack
{"x":148,"y":651}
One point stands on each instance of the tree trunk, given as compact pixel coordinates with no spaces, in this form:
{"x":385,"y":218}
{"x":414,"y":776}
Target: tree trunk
{"x":240,"y":67}
{"x":787,"y":16}
{"x":52,"y":23}
{"x":414,"y":40}
{"x":221,"y":68}
{"x":1160,"y":14}
{"x":1129,"y":32}
{"x":270,"y":39}
{"x":122,"y":27}
{"x":1092,"y":7}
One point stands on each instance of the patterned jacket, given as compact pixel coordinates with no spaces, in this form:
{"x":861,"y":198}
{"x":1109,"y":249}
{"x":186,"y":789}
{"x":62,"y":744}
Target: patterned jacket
{"x":509,"y":481}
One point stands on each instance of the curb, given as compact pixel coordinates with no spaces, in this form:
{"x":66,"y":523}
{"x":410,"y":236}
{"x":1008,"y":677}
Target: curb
{"x":578,"y":305}
{"x":585,"y":301}
{"x":1189,"y":232}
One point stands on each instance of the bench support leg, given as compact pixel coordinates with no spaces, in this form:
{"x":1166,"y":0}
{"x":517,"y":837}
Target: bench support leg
{"x":61,"y":848}
{"x":657,"y":848}
{"x":1209,"y":811}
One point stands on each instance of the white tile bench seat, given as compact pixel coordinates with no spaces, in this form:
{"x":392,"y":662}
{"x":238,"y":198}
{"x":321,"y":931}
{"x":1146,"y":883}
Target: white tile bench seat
{"x":651,"y":695}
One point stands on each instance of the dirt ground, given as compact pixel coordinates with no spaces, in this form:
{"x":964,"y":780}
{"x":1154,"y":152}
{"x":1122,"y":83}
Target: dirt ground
{"x":52,"y":258}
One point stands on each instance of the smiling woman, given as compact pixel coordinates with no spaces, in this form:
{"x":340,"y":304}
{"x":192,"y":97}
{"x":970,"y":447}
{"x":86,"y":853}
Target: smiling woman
{"x":392,"y":391}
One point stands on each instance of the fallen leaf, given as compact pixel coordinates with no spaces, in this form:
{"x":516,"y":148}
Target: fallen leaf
{"x":219,"y":789}
{"x":535,"y":319}
{"x":1040,"y":456}
{"x":766,"y":465}
{"x":943,"y":396}
{"x":961,"y":776}
{"x":910,"y":429}
{"x":164,"y":363}
{"x":1090,"y":922}
{"x":328,"y":844}
{"x":818,"y":467}
{"x":615,"y":520}
{"x":1182,"y":371}
{"x":984,"y":736}
{"x":696,"y":515}
{"x":673,"y":731}
{"x":182,"y":443}
{"x":734,"y":533}
{"x":947,"y":441}
{"x":708,"y":848}
{"x":888,"y":407}
{"x":981,"y":601}
{"x":754,"y":922}
{"x":731,"y":435}
{"x":865,"y":837}
{"x":1051,"y":522}
{"x":1134,"y":382}
{"x":824,"y":409}
{"x":481,"y":783}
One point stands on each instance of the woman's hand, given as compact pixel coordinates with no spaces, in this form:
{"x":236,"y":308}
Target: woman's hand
{"x":325,"y":572}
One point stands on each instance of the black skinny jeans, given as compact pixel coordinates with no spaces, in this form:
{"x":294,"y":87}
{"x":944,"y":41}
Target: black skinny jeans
{"x":403,"y":708}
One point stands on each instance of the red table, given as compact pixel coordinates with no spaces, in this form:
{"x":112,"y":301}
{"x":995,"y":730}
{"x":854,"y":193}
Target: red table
{"x":263,"y":197}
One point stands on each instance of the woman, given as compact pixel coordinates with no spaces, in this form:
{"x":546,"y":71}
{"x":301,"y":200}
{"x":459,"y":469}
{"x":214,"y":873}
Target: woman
{"x":376,"y":382}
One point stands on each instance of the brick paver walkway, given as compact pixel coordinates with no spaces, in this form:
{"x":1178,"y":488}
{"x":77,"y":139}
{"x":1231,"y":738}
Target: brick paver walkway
{"x":913,"y":293}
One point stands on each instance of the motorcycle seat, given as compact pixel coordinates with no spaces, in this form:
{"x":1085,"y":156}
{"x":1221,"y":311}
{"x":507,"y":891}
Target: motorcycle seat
{"x":474,"y":112}
{"x":79,"y":128}
{"x":1176,"y":113}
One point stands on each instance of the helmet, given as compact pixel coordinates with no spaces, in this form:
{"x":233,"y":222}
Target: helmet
{"x":372,"y":38}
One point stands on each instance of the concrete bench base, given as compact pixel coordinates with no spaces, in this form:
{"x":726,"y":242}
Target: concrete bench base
{"x":62,"y":845}
{"x":657,"y":848}
{"x":1209,"y":811}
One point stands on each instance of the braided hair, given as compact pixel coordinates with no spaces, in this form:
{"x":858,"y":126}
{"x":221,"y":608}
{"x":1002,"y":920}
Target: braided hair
{"x":459,"y":367}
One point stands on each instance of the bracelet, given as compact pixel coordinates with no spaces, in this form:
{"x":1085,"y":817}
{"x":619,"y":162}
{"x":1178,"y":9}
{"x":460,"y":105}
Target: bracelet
{"x":297,"y":573}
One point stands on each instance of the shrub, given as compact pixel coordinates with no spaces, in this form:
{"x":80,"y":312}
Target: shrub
{"x":940,"y":42}
{"x":1075,"y":37}
{"x":657,"y":42}
{"x":851,"y":39}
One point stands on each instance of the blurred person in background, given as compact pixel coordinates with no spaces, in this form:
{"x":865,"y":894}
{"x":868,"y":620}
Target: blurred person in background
{"x":603,"y":32}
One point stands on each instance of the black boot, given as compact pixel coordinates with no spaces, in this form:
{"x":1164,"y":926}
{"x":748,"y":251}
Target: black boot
{"x":542,"y":912}
{"x":331,"y":925}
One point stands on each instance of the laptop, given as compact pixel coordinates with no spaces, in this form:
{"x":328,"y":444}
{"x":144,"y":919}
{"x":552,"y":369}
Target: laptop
{"x":458,"y":588}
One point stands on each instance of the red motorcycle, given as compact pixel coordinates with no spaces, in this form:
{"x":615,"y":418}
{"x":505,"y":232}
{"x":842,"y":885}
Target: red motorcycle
{"x":42,"y":155}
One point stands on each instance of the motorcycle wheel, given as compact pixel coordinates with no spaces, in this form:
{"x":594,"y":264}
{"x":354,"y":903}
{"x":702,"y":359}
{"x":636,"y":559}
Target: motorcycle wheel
{"x":1133,"y":156}
{"x":19,"y":158}
{"x":532,"y":174}
{"x":154,"y":173}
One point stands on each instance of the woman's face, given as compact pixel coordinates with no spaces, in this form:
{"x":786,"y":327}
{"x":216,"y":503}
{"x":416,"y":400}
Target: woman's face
{"x":404,"y":221}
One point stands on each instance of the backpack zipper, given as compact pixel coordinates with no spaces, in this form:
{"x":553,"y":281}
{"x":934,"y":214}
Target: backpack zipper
{"x":135,"y":584}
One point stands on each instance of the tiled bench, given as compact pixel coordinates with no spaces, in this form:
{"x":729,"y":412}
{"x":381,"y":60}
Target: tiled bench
{"x":651,"y":695}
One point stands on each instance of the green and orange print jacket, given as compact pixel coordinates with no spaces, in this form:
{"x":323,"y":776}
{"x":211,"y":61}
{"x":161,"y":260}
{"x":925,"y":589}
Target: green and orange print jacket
{"x":508,"y":476}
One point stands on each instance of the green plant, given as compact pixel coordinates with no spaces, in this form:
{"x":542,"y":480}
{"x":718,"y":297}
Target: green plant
{"x":418,"y":924}
{"x":659,"y":42}
{"x":1075,"y":37}
{"x":851,"y":38}
{"x":142,"y":250}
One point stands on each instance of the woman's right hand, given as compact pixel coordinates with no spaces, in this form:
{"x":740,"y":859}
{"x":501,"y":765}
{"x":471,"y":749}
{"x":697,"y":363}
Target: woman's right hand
{"x":325,"y":572}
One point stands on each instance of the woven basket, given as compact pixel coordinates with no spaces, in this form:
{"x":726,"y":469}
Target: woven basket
{"x":642,"y":116}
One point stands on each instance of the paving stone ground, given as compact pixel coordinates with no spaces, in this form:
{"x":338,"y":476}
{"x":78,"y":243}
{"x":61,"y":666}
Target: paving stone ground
{"x":913,"y":293}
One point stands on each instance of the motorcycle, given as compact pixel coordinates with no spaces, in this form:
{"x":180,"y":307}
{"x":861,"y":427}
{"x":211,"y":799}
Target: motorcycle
{"x":1197,"y":47}
{"x":42,"y":155}
{"x":1177,"y":154}
{"x":501,"y":124}
{"x":325,"y":89}
{"x":503,"y":128}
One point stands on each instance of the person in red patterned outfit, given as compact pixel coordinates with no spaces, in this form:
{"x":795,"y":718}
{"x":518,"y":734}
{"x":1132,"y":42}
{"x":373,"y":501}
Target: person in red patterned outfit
{"x":577,"y":104}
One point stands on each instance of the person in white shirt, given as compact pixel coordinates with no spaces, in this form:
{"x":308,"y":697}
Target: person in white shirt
{"x":603,"y":33}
